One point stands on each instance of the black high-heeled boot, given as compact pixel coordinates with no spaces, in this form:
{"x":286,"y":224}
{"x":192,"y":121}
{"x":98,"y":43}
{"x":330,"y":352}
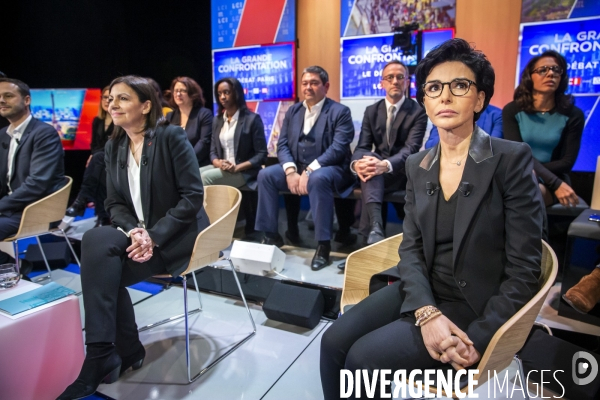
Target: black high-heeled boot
{"x":134,"y":360}
{"x":77,"y":209}
{"x":101,"y":364}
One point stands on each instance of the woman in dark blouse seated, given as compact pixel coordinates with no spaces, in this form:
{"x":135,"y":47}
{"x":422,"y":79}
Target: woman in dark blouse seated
{"x":238,"y":148}
{"x":155,"y":201}
{"x":191,"y":115}
{"x":544,"y":117}
{"x":93,"y":186}
{"x":471,"y":252}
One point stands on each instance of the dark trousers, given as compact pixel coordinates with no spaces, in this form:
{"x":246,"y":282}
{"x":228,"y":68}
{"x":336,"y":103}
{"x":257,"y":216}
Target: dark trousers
{"x":94,"y":183}
{"x":344,"y":210}
{"x":8,"y":227}
{"x":321,"y":189}
{"x":106,"y":271}
{"x":373,"y":335}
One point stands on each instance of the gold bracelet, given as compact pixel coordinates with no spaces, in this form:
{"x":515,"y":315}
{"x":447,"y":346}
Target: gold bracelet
{"x":422,"y":322}
{"x":425,"y":310}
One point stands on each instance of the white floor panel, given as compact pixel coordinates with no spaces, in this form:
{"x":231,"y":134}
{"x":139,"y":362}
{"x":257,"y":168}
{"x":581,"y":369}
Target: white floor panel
{"x":245,"y":374}
{"x":303,"y":378}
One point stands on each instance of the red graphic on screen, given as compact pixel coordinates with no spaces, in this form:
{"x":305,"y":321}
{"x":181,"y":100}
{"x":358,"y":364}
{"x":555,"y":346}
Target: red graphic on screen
{"x":89,"y":110}
{"x":252,"y":105}
{"x":268,"y":14}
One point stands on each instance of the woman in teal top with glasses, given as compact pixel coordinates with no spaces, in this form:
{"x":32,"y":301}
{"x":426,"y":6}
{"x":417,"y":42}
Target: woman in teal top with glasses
{"x":545,"y":118}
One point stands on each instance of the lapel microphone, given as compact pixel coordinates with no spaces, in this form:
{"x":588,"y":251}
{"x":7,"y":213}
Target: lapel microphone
{"x":465,"y":188}
{"x":4,"y":146}
{"x":144,"y":160}
{"x":431,"y":188}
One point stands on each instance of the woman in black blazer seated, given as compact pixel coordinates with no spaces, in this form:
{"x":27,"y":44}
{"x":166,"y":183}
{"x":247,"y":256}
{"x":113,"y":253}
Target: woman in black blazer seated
{"x":189,"y":113}
{"x":155,"y":200}
{"x":471,"y":252}
{"x":93,"y":186}
{"x":545,"y":118}
{"x":238,"y":147}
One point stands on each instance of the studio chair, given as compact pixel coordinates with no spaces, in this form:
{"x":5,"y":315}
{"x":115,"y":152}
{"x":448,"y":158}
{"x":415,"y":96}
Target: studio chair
{"x":511,"y":336}
{"x":41,"y":218}
{"x":222,"y":204}
{"x":362,"y":264}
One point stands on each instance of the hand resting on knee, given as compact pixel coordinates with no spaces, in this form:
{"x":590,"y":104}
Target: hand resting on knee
{"x":142,"y":245}
{"x":447,"y":343}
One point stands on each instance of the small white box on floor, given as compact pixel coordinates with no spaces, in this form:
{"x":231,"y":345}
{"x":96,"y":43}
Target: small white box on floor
{"x":255,"y":258}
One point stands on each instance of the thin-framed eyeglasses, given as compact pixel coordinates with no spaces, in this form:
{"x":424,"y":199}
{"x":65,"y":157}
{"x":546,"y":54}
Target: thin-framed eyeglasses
{"x":183,"y":91}
{"x":458,"y":87}
{"x":390,"y":78}
{"x":543,"y":70}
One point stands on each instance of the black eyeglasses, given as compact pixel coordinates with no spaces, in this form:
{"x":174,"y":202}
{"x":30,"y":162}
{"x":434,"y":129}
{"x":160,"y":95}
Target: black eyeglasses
{"x":543,"y":70}
{"x":458,"y":87}
{"x":390,"y":78}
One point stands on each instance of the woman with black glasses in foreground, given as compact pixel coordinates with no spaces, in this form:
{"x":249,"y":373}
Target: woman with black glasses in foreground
{"x":471,"y":252}
{"x":544,"y":117}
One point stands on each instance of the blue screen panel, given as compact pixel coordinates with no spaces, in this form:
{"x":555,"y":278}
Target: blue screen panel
{"x":266,"y":72}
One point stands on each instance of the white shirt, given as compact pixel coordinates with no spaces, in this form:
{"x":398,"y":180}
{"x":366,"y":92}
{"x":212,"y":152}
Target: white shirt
{"x":15,"y":133}
{"x":226,"y":136}
{"x":133,"y":173}
{"x":310,"y":117}
{"x":387,"y":107}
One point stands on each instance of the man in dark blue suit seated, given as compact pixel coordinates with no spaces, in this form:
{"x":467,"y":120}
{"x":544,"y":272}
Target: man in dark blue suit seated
{"x":395,"y":126}
{"x":490,"y":121}
{"x":314,"y":157}
{"x":31,"y":158}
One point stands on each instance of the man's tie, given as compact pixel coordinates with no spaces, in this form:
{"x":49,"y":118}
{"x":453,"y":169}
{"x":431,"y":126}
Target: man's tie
{"x":388,"y":125}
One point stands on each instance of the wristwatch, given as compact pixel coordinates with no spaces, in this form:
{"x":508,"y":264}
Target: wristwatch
{"x":308,"y":171}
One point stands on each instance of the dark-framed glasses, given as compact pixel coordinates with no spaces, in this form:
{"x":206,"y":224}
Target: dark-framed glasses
{"x":543,"y":70}
{"x":458,"y":87}
{"x":390,"y":78}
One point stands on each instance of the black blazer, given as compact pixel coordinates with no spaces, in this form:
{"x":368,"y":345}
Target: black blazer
{"x":406,"y":136}
{"x":249,"y":143}
{"x":172,"y":193}
{"x":497,"y":232}
{"x":198,"y":129}
{"x":38,"y":168}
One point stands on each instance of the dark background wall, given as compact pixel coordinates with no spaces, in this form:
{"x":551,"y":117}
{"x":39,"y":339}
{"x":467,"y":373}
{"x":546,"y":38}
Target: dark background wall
{"x":86,"y":43}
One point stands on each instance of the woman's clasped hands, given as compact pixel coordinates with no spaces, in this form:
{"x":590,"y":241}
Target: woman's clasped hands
{"x":142,"y":245}
{"x":447,"y":343}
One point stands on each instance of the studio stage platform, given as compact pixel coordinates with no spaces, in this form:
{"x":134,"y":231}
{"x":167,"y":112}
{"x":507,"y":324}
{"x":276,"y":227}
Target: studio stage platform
{"x":280,"y":362}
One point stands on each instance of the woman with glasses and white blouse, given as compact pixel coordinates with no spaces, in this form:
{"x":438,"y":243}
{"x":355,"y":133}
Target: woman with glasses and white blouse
{"x":545,"y":118}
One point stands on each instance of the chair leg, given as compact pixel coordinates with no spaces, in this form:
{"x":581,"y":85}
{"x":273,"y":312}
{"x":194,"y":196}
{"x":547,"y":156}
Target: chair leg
{"x":175,"y":317}
{"x":187,"y":329}
{"x":197,"y":291}
{"x":43,"y":277}
{"x":71,"y":247}
{"x":522,"y":376}
{"x":237,"y":281}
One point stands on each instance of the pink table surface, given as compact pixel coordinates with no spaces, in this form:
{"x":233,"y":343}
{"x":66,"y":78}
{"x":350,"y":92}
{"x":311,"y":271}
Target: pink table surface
{"x":41,"y":353}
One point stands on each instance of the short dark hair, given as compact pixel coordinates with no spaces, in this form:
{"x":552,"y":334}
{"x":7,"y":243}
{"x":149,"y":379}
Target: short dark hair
{"x":236,"y":90}
{"x":524,"y":92}
{"x":194,"y":91}
{"x":396,"y":62}
{"x":315,"y":69}
{"x":145,"y":91}
{"x":21,"y":86}
{"x":458,"y":50}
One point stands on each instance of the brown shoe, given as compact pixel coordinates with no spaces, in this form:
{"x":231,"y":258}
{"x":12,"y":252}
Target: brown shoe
{"x":584,"y":296}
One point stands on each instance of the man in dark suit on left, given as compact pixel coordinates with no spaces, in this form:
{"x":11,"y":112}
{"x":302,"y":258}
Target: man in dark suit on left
{"x":3,"y":121}
{"x":31,"y":158}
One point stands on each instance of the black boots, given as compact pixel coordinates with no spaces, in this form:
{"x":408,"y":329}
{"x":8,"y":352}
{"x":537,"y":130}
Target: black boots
{"x":77,"y":209}
{"x":101,"y":364}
